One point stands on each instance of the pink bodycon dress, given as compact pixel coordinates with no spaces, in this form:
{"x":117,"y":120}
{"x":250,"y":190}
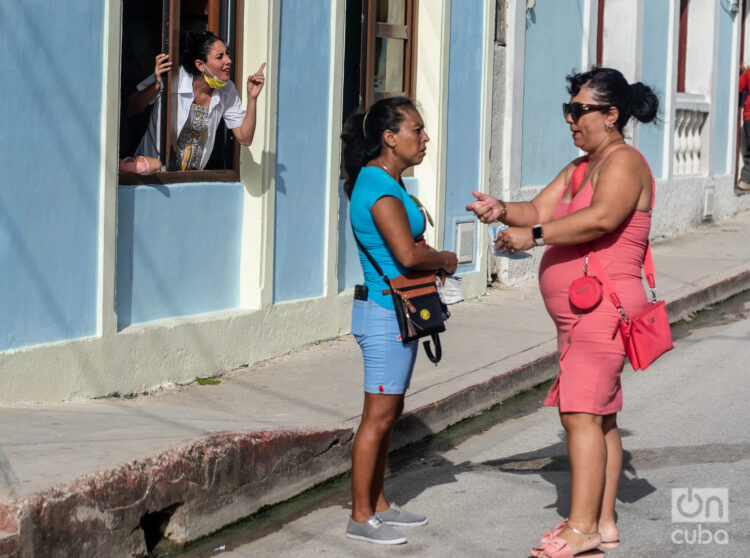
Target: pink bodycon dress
{"x":589,"y":347}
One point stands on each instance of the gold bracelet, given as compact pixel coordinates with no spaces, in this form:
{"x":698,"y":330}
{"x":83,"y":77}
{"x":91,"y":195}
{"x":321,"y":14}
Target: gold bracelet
{"x":504,"y":211}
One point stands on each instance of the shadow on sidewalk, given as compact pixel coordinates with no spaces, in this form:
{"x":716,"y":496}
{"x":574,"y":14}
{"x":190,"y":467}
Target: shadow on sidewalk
{"x":552,"y":464}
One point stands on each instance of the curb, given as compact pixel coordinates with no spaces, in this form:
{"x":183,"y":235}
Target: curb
{"x":181,"y":494}
{"x":194,"y":490}
{"x":681,"y":308}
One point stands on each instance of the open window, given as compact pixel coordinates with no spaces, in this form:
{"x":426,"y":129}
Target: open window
{"x":151,"y":27}
{"x":380,"y":51}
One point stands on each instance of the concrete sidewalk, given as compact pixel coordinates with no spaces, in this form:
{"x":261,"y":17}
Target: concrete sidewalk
{"x":110,"y":477}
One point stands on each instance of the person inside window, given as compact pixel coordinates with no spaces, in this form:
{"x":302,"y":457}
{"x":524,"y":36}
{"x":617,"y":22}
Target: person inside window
{"x":205,"y":95}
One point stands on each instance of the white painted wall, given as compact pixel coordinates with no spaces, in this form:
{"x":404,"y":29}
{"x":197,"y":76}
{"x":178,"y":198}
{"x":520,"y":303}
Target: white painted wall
{"x":699,"y":54}
{"x":621,"y":44}
{"x":622,"y":48}
{"x":433,"y":42}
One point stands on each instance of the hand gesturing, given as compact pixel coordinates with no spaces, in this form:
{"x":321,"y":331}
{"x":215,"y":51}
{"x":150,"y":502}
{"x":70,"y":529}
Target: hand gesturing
{"x":486,"y":208}
{"x":255,"y":82}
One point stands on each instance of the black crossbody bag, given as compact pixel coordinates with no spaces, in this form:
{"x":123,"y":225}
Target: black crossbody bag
{"x":419,"y":310}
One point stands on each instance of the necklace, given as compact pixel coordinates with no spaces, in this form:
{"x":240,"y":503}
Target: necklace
{"x":385,"y":168}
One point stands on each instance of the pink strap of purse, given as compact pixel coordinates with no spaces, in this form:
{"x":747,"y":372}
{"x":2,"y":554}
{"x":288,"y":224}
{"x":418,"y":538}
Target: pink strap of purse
{"x":647,"y":335}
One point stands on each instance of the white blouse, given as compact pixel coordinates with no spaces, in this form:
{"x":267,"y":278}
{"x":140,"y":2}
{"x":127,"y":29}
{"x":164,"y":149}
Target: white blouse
{"x":225,"y":102}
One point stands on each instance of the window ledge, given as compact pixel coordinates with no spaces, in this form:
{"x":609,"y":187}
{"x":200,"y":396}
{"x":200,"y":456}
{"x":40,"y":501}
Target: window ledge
{"x":129,"y":179}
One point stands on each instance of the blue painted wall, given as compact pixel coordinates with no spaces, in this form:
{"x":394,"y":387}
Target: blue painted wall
{"x":656,"y":22}
{"x":178,"y":250}
{"x":464,"y":114}
{"x":725,"y":84}
{"x":49,"y":197}
{"x":553,"y":48}
{"x":302,"y":150}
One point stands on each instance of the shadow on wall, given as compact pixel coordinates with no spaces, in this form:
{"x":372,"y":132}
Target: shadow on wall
{"x":266,"y":167}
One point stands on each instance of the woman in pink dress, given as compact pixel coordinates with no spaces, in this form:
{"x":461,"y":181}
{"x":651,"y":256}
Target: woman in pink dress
{"x":601,"y":201}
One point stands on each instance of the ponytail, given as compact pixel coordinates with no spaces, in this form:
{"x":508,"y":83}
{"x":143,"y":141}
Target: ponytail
{"x":645,"y":102}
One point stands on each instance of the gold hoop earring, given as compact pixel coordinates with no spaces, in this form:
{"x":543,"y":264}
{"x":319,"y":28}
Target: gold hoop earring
{"x":393,"y":148}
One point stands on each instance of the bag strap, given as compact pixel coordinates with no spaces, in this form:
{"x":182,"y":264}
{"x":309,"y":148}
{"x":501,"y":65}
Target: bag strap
{"x":576,"y":179}
{"x":588,"y":251}
{"x":438,"y":349}
{"x":371,"y":259}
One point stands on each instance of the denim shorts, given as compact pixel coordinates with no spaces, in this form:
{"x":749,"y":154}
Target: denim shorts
{"x":388,"y":362}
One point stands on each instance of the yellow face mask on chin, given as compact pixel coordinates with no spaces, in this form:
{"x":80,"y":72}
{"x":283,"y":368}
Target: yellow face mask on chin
{"x":213,"y":82}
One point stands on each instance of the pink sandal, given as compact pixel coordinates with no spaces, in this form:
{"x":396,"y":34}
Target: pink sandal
{"x":558,"y":548}
{"x":552,"y":533}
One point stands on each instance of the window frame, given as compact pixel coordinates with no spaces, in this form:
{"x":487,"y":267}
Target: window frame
{"x":600,"y":33}
{"x":373,"y":30}
{"x":682,"y":39}
{"x":170,"y":36}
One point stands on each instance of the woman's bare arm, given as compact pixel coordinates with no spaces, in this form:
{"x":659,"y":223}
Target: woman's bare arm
{"x":391,"y":220}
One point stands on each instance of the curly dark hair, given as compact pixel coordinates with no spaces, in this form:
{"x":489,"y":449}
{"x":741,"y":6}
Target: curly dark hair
{"x":195,"y":45}
{"x":610,"y":87}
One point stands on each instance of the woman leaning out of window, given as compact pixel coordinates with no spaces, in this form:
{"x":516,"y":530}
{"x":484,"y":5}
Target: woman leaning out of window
{"x":205,"y":95}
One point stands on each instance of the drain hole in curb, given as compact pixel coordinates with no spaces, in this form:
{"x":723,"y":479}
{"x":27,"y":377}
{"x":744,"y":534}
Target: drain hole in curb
{"x":154,"y":524}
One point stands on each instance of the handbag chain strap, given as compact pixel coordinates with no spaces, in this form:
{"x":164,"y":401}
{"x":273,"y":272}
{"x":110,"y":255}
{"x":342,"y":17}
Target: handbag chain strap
{"x":587,"y":249}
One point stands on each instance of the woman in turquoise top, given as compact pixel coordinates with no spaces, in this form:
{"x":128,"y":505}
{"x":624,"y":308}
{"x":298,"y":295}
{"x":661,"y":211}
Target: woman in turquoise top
{"x":379,"y":146}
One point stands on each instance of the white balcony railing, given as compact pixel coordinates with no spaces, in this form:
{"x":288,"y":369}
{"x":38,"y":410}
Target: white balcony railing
{"x":690,"y":141}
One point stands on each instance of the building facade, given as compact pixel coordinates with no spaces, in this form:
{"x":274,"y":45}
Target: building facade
{"x":687,"y":50}
{"x":118,"y":285}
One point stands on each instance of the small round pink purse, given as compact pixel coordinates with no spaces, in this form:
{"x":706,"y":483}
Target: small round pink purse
{"x":585,"y":293}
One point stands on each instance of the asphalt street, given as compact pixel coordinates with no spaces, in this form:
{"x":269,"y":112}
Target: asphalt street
{"x":492,"y":489}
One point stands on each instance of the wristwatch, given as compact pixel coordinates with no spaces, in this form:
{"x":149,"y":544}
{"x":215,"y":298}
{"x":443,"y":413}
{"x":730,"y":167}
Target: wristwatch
{"x":538,"y":235}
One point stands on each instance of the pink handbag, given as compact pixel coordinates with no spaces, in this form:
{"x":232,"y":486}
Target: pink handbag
{"x":646,"y":335}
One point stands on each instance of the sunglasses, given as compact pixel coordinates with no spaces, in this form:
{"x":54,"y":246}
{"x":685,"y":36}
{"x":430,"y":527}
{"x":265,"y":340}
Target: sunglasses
{"x":576,"y":110}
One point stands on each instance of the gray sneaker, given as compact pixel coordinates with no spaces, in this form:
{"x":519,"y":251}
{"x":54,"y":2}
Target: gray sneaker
{"x":375,"y":531}
{"x":396,"y":516}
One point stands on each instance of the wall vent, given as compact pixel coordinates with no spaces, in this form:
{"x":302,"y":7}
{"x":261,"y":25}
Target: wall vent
{"x":466,"y":241}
